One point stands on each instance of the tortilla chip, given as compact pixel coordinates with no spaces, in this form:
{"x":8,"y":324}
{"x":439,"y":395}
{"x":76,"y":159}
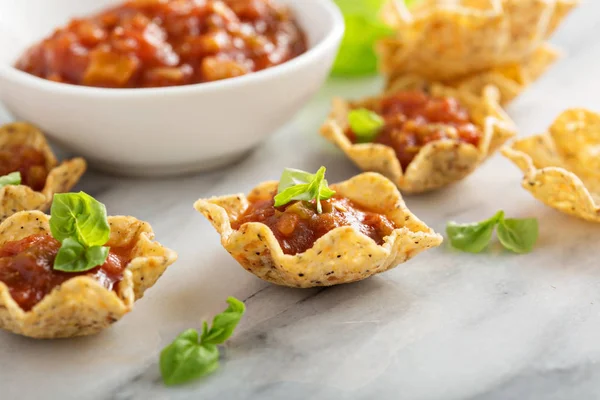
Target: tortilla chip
{"x":439,"y":163}
{"x":82,"y":306}
{"x":512,"y":80}
{"x":453,"y":41}
{"x":562,"y":167}
{"x":61,"y":178}
{"x":342,"y":255}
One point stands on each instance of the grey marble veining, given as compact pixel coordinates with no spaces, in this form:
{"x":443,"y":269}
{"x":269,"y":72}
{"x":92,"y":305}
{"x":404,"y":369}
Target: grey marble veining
{"x":444,"y":326}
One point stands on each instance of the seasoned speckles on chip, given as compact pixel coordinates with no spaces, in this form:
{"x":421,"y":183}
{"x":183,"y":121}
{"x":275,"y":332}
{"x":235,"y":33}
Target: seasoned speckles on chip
{"x":81,"y":305}
{"x":61,"y":177}
{"x":498,"y":42}
{"x":438,"y":163}
{"x":561,"y":166}
{"x":342,"y":255}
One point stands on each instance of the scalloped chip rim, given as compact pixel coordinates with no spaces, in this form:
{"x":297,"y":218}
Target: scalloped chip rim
{"x":82,"y":306}
{"x":551,"y":177}
{"x":61,"y":178}
{"x":512,"y":80}
{"x":469,"y":38}
{"x":342,"y":255}
{"x":439,"y":163}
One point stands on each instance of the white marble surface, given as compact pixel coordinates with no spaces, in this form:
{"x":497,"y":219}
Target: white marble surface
{"x":445,"y":326}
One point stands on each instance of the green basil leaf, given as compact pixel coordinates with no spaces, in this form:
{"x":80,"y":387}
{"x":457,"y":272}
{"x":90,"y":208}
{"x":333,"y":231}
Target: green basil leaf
{"x":518,"y":235}
{"x":81,"y":217}
{"x":225,"y":323}
{"x":363,"y":29}
{"x":298,"y":192}
{"x":292,"y":189}
{"x":325,"y":192}
{"x":186,"y":359}
{"x":365,"y":124}
{"x":14,"y":178}
{"x":190,"y":355}
{"x":70,"y":257}
{"x":73,"y":257}
{"x":292,"y":177}
{"x":474,"y":237}
{"x":319,"y":189}
{"x":367,"y":8}
{"x":96,"y":255}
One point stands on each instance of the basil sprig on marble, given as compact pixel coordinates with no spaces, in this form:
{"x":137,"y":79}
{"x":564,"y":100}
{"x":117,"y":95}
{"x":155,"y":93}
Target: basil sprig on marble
{"x":80,"y":223}
{"x":295,"y":184}
{"x":365,"y":124}
{"x":516,"y":235}
{"x":191,"y":355}
{"x":14,"y":178}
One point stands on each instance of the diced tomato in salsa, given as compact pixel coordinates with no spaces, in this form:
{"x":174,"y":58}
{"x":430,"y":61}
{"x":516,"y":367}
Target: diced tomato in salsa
{"x":297,"y":225}
{"x":30,"y":162}
{"x":414,"y":118}
{"x":26,"y":267}
{"x":153,"y":43}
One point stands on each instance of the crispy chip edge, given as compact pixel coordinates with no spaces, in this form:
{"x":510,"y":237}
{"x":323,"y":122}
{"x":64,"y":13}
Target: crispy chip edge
{"x":61,"y":177}
{"x":81,"y":306}
{"x":333,"y":259}
{"x":491,"y":32}
{"x":439,"y":163}
{"x":554,"y":186}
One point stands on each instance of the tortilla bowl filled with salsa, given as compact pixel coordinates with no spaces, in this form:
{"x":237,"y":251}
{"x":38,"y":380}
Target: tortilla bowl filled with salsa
{"x":58,"y":282}
{"x":561,"y":167}
{"x":362,"y":229}
{"x":420,"y":135}
{"x":25,"y":152}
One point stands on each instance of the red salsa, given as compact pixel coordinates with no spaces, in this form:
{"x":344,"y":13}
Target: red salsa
{"x":26,"y":268}
{"x":154,"y":43}
{"x":414,"y":118}
{"x":30,"y":162}
{"x":297,"y":225}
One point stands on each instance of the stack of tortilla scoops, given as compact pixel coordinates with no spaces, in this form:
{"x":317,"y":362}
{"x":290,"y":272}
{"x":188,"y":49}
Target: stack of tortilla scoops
{"x":485,"y":53}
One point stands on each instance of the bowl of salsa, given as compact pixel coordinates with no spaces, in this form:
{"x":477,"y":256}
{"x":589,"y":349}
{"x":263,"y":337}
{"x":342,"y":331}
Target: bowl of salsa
{"x":161,"y":87}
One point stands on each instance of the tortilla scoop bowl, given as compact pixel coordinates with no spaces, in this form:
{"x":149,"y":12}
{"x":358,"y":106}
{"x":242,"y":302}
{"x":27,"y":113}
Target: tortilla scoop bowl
{"x":451,"y":40}
{"x":439,"y":163}
{"x":561,"y":167}
{"x":81,"y":306}
{"x":61,"y":177}
{"x":161,"y":131}
{"x":343,"y":255}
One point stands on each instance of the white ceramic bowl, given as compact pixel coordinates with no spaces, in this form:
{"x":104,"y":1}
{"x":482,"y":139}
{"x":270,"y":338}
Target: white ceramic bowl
{"x":163,"y":131}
